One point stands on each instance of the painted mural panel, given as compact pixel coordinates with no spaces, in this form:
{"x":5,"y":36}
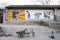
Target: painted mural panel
{"x":39,"y":15}
{"x":21,"y":14}
{"x":16,"y":15}
{"x":10,"y":15}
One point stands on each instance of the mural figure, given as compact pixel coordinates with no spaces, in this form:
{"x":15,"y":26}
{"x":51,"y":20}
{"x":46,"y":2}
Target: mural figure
{"x":28,"y":14}
{"x":37,"y":15}
{"x":15,"y":14}
{"x":46,"y":16}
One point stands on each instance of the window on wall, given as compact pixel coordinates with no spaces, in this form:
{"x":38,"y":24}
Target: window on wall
{"x":15,"y":15}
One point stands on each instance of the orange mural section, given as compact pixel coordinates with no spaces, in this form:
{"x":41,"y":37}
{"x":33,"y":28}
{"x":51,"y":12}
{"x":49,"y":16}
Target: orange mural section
{"x":10,"y":15}
{"x":21,"y":14}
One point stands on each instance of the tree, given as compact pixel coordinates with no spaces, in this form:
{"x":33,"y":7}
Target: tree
{"x":42,"y":2}
{"x":47,"y":2}
{"x":3,"y":4}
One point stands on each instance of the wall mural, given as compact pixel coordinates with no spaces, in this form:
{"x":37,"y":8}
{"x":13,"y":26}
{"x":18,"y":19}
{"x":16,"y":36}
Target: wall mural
{"x":30,"y":14}
{"x":39,"y":14}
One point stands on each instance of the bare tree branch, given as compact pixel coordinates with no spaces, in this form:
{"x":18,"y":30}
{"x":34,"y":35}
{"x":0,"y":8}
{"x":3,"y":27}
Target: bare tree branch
{"x":3,"y":4}
{"x":43,"y":2}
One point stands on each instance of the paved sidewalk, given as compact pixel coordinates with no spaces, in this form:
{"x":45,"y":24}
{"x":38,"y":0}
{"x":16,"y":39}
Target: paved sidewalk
{"x":37,"y":37}
{"x":41,"y":32}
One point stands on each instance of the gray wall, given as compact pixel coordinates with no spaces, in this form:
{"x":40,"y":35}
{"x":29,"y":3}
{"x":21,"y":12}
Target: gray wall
{"x":57,"y":13}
